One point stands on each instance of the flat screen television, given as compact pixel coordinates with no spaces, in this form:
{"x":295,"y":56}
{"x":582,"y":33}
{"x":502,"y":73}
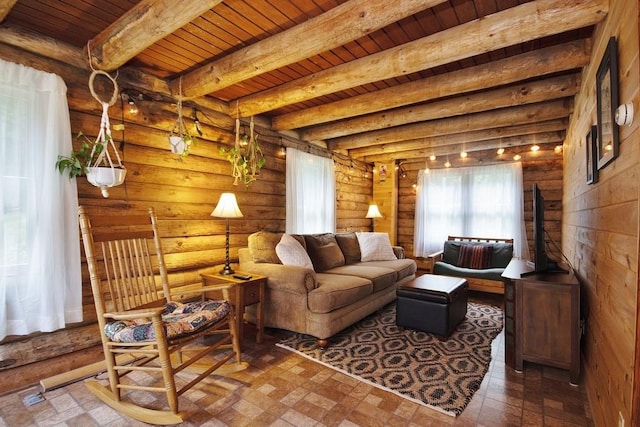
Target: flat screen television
{"x":541,"y":261}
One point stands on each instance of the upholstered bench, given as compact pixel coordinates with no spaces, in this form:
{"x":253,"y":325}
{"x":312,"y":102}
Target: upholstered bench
{"x":432,"y":303}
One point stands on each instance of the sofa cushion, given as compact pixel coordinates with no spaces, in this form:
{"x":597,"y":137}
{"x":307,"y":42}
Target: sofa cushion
{"x":350,"y":247}
{"x":475,"y":256}
{"x":291,"y":252}
{"x":375,"y":246}
{"x":500,"y":257}
{"x":381,"y":277}
{"x":324,"y":251}
{"x":262,"y":246}
{"x":452,"y":270}
{"x":404,"y":267}
{"x":336,"y":291}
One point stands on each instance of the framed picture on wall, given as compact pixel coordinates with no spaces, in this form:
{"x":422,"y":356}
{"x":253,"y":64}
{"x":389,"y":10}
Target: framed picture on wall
{"x":591,"y":142}
{"x":607,"y":102}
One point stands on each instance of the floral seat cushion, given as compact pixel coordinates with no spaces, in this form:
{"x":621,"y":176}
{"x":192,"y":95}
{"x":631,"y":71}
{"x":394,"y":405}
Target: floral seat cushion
{"x":179,"y":320}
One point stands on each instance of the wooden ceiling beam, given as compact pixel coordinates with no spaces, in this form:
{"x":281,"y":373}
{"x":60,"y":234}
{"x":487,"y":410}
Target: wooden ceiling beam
{"x":41,"y":45}
{"x":491,"y":119}
{"x":515,"y":25}
{"x":567,"y":56}
{"x":452,"y":150}
{"x":525,"y":93}
{"x":146,"y":23}
{"x":509,"y":134}
{"x":5,"y":8}
{"x":336,"y":27}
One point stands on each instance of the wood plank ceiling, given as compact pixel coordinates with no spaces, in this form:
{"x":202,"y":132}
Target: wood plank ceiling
{"x":374,"y":79}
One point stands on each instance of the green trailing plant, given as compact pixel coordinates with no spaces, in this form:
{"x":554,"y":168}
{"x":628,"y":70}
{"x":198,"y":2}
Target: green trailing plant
{"x":78,"y":162}
{"x":246,"y":157}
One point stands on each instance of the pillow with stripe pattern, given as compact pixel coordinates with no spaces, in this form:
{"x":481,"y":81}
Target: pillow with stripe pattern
{"x":475,"y":256}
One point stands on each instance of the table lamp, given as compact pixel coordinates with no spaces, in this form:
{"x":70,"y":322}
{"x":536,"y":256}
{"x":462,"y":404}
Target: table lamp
{"x":227,"y":208}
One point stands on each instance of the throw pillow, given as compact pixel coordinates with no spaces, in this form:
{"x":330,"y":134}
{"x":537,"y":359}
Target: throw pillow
{"x":324,"y":251}
{"x":291,"y":252}
{"x":475,"y":256}
{"x":375,"y":247}
{"x":262,"y":246}
{"x":350,"y":247}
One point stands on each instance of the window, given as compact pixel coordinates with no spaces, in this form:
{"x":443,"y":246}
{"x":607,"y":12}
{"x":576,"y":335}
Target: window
{"x":311,"y":193}
{"x":40,"y":279}
{"x":485,"y":201}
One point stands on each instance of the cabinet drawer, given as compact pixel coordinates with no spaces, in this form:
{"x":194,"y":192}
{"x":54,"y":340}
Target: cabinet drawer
{"x":251,"y":293}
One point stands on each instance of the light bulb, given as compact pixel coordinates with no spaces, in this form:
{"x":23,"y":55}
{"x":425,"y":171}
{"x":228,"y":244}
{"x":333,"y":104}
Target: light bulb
{"x":557,"y":149}
{"x":432,"y":157}
{"x":500,"y":151}
{"x":447,"y":164}
{"x":535,"y":147}
{"x":517,"y":157}
{"x":133,"y":108}
{"x":463,"y":154}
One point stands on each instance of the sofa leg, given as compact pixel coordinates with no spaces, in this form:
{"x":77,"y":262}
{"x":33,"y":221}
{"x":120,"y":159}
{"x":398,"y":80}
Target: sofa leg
{"x":323,"y":343}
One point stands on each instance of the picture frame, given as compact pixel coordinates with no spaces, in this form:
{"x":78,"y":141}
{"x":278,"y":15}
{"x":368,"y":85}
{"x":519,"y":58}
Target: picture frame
{"x":608,"y":138}
{"x":591,"y":142}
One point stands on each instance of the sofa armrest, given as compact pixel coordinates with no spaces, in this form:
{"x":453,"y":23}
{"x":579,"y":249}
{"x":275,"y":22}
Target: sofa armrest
{"x":398,"y":251}
{"x":290,"y":278}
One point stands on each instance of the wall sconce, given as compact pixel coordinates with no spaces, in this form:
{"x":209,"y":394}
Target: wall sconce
{"x":624,"y":115}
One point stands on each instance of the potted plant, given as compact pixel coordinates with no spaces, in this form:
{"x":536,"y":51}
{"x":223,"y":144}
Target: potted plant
{"x":246,"y":156}
{"x":94,"y":162}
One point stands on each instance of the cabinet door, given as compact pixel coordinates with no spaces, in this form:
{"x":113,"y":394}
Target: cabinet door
{"x":546,"y":323}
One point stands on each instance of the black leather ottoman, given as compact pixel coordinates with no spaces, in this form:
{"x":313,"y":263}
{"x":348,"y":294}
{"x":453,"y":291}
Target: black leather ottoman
{"x":432,"y":303}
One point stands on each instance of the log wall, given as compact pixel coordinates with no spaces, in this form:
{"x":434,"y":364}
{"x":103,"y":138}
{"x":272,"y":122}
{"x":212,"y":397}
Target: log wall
{"x":600,"y":231}
{"x":183,"y":192}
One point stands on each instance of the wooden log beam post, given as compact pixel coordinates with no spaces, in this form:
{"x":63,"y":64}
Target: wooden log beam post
{"x":5,"y":8}
{"x":336,"y":27}
{"x":507,"y":117}
{"x":525,"y":93}
{"x":567,"y":56}
{"x":450,"y":144}
{"x":146,"y":23}
{"x":512,"y":26}
{"x":427,"y":149}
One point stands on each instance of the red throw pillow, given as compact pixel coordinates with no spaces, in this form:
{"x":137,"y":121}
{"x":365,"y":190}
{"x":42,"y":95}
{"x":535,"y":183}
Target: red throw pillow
{"x":475,"y":256}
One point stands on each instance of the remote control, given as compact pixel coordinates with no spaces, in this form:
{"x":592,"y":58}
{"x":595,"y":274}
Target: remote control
{"x":242,"y":276}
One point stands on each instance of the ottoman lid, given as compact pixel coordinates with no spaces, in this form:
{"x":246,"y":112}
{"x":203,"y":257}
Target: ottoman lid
{"x":434,"y":284}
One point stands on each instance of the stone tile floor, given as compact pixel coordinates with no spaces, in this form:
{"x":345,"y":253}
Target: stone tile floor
{"x":284,"y":389}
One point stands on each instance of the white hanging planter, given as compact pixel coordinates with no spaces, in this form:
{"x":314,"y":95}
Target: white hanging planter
{"x":179,"y":138}
{"x":103,"y":171}
{"x":179,"y":145}
{"x":105,"y":177}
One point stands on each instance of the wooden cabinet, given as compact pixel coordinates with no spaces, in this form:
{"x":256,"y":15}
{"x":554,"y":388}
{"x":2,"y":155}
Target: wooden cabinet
{"x":546,"y":319}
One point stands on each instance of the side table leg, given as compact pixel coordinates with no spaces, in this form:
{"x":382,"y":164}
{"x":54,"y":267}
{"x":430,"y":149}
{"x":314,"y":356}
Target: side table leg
{"x":260,"y":314}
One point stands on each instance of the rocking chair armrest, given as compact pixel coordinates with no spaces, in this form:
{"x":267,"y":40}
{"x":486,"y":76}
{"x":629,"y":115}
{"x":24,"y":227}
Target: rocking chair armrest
{"x":135,"y":314}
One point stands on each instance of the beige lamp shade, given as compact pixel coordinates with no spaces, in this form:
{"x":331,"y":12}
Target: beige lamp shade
{"x":373,"y":212}
{"x":227,"y":207}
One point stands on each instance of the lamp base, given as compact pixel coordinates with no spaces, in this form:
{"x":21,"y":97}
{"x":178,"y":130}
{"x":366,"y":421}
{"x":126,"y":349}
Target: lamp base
{"x":227,"y":270}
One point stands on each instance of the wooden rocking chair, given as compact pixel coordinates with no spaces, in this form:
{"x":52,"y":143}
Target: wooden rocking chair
{"x":139,"y":321}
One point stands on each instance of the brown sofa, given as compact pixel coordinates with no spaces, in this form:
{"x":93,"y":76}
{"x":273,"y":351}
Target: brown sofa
{"x":337,"y":291}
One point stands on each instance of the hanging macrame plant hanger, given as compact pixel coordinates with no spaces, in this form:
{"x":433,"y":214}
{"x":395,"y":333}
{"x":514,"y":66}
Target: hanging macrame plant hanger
{"x":102,"y":170}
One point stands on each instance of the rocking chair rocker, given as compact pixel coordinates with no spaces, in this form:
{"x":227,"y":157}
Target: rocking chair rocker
{"x":142,"y":327}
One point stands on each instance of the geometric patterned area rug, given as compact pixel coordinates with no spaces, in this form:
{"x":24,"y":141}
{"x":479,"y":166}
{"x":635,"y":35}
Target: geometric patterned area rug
{"x":442,"y":375}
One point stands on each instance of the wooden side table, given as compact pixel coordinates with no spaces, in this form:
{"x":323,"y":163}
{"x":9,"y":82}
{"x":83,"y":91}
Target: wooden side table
{"x":247,"y":292}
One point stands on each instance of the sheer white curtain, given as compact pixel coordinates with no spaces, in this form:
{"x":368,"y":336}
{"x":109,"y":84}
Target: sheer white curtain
{"x":311,"y":193}
{"x":483,"y":201}
{"x":40,"y":278}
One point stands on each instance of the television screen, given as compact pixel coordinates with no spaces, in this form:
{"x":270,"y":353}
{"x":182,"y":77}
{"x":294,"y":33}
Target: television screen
{"x":541,"y":262}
